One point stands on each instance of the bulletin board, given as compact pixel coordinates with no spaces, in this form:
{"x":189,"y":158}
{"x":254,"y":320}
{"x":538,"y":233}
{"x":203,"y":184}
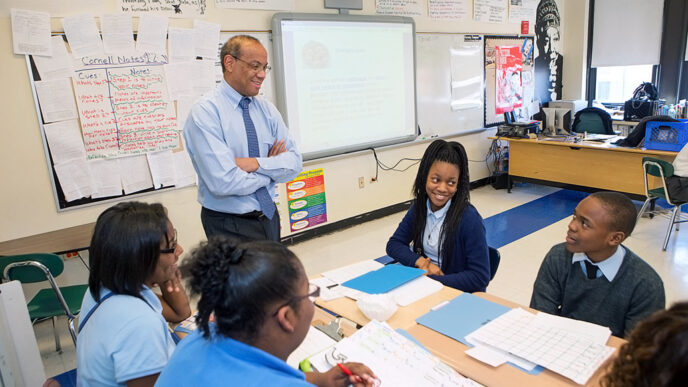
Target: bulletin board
{"x":146,"y":159}
{"x":525,"y":46}
{"x":449,"y":83}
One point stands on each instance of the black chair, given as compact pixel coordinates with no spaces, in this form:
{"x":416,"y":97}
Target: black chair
{"x":593,"y":120}
{"x":495,"y":257}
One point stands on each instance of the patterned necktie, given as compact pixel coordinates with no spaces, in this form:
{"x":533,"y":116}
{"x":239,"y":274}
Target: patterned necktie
{"x":591,"y":270}
{"x":262,"y":194}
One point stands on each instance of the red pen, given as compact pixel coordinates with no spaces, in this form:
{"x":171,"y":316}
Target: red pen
{"x":345,"y":370}
{"x":374,"y":381}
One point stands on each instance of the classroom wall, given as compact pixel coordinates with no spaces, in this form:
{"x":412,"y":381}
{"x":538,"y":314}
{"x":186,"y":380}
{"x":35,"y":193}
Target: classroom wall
{"x":575,"y":49}
{"x":27,"y":206}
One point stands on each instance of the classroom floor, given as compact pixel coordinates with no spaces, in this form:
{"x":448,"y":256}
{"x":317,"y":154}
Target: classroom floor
{"x":522,"y":239}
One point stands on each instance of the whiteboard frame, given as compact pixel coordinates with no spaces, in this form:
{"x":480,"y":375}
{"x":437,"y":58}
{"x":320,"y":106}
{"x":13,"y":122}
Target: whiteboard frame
{"x":280,"y":91}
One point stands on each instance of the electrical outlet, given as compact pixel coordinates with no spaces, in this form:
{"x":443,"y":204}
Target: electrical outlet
{"x":361,"y":182}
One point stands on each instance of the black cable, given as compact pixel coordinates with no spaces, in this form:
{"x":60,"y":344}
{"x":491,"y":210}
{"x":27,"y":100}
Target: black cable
{"x":380,"y":165}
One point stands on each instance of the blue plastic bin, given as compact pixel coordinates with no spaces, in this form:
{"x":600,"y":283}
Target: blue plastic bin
{"x":667,"y":136}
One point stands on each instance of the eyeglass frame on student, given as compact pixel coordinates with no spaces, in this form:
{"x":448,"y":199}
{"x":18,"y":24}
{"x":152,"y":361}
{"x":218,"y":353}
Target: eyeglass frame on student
{"x":255,"y":67}
{"x":172,"y":244}
{"x":313,"y":293}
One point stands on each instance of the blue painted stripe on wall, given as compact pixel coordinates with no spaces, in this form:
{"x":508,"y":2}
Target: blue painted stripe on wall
{"x":514,"y":224}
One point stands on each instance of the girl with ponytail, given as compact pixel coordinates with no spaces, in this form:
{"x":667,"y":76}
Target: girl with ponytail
{"x":442,"y":232}
{"x":123,"y":334}
{"x":255,"y":308}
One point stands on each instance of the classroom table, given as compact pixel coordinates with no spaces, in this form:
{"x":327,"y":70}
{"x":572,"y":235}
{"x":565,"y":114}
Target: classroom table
{"x":404,"y":317}
{"x":60,"y":241}
{"x":586,"y":164}
{"x":320,"y":317}
{"x":451,"y":351}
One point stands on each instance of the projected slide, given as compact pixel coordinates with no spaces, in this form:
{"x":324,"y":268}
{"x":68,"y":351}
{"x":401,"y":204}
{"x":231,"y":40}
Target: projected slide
{"x":348,"y":84}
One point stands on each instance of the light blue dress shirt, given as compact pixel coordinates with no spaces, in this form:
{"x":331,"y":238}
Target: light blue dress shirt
{"x":214,"y":135}
{"x":431,"y":235}
{"x":609,"y":267}
{"x":125,"y":338}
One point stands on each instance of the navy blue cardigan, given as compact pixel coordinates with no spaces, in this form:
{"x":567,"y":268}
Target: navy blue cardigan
{"x":469,"y":270}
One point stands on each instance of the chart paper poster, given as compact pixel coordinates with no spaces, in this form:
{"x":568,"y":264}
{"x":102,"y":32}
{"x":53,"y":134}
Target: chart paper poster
{"x":399,"y":7}
{"x":171,"y":8}
{"x":489,"y":11}
{"x":306,"y":198}
{"x":277,"y":5}
{"x":449,"y":9}
{"x":509,"y":92}
{"x":124,"y":105}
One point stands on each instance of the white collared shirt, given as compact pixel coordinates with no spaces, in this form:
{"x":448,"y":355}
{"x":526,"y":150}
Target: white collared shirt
{"x":431,"y":234}
{"x":609,"y":267}
{"x":681,"y":162}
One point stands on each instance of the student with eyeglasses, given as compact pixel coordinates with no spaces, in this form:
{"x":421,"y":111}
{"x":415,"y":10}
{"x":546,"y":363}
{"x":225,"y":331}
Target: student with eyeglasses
{"x":123,"y":334}
{"x":240,"y":147}
{"x":261,"y":306}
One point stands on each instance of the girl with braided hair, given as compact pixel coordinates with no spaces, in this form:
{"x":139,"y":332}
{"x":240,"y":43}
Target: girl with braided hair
{"x":255,"y":308}
{"x":656,"y":354}
{"x":442,"y":232}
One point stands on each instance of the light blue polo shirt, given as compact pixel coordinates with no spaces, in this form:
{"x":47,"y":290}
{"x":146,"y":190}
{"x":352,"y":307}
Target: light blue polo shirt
{"x":224,"y":361}
{"x":125,"y":338}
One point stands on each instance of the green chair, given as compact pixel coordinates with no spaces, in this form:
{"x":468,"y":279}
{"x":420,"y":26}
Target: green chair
{"x":50,"y":302}
{"x":661,"y":169}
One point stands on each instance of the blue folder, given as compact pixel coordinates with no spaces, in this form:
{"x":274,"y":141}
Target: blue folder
{"x":464,"y":314}
{"x":461,"y":316}
{"x":384,"y":279}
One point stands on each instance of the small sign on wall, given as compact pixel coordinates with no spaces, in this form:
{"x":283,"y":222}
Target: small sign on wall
{"x":306,"y":198}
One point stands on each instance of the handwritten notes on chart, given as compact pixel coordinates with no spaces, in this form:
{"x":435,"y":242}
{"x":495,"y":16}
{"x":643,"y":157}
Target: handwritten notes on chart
{"x":124,"y":105}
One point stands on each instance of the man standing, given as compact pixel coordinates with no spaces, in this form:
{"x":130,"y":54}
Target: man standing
{"x":240,"y":147}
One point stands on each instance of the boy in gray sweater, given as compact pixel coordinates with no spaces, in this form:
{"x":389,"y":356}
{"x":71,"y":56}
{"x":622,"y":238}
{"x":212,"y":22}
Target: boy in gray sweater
{"x":592,"y":277}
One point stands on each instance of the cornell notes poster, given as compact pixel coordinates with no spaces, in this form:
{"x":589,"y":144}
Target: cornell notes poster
{"x":124,"y":105}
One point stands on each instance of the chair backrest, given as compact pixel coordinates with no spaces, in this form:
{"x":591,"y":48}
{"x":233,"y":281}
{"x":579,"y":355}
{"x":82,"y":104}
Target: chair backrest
{"x":593,"y":120}
{"x":650,"y":164}
{"x":29,"y":274}
{"x":495,"y":257}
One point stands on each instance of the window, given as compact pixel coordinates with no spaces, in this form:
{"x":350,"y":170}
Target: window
{"x":615,"y":84}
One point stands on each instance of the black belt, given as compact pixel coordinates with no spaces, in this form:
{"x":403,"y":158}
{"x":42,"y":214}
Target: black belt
{"x":251,"y":215}
{"x":248,"y":215}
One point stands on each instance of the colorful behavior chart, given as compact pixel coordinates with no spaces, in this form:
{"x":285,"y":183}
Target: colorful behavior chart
{"x":306,"y":198}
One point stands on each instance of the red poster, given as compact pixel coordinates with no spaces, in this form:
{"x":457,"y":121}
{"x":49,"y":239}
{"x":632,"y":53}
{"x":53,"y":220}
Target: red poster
{"x":508,"y":67}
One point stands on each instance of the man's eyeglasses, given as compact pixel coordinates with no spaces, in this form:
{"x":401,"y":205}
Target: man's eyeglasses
{"x":255,"y":66}
{"x":172,"y":244}
{"x":313,"y":293}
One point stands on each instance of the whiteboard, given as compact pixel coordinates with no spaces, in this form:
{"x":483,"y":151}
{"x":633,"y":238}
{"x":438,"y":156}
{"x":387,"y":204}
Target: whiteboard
{"x":449,"y":83}
{"x":345,"y":82}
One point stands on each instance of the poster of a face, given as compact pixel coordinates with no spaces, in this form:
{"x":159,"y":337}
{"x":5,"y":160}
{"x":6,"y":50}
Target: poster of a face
{"x":548,"y":60}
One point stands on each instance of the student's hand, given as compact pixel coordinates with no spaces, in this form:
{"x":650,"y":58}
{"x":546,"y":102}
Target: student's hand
{"x":174,"y":284}
{"x":423,"y":263}
{"x":335,"y":377}
{"x":434,"y":269}
{"x":247,"y":164}
{"x":277,"y":148}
